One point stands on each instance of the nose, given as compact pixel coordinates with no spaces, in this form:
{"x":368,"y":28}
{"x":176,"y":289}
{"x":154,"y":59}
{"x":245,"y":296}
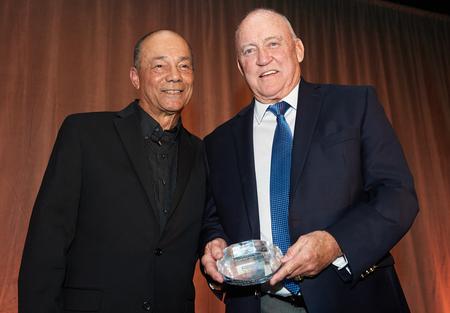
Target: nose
{"x":264,"y":57}
{"x":174,"y":74}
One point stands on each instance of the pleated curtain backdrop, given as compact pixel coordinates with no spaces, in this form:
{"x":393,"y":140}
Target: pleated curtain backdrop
{"x":59,"y":57}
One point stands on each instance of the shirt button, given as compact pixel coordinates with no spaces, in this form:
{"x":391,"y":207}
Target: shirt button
{"x":146,"y":305}
{"x":158,"y":251}
{"x":163,"y":156}
{"x":165,"y":211}
{"x":163,"y":181}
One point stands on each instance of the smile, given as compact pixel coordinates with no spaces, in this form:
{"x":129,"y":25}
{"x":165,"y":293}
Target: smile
{"x":271,"y":72}
{"x":172,"y":91}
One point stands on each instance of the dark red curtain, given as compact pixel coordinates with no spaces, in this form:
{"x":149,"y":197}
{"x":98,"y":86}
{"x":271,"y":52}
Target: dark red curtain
{"x":59,"y":57}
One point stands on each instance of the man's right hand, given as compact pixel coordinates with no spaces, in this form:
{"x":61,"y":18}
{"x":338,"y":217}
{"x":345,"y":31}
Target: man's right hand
{"x":213,"y":252}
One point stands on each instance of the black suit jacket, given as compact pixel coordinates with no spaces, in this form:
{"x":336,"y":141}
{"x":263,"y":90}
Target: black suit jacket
{"x":349,"y":177}
{"x":94,"y":242}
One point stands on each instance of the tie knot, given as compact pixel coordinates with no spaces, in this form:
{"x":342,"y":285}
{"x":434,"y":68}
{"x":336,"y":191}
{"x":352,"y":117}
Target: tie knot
{"x":279,"y":108}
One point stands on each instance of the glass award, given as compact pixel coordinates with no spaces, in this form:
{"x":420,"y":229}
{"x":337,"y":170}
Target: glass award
{"x":249,"y":262}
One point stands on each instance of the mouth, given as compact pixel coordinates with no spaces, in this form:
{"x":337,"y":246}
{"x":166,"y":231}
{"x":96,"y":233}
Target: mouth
{"x":268,"y":73}
{"x":172,"y":91}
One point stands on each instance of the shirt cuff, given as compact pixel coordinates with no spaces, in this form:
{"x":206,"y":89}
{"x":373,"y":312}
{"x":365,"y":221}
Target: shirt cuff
{"x":340,"y":262}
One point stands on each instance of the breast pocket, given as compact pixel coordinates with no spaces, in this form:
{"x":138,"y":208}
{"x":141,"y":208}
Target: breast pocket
{"x":342,"y":136}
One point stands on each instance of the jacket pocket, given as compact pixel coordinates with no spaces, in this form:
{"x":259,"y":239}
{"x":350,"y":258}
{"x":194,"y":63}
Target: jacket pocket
{"x":341,"y":136}
{"x":82,"y":300}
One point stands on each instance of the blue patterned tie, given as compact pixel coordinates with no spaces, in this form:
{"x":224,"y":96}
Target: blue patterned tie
{"x":280,"y":173}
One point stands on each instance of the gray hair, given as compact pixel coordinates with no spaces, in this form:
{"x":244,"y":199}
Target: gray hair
{"x":270,"y":11}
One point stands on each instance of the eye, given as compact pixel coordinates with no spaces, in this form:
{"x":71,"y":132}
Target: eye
{"x":159,"y":67}
{"x":248,"y":51}
{"x":185,"y":66}
{"x":274,"y":44}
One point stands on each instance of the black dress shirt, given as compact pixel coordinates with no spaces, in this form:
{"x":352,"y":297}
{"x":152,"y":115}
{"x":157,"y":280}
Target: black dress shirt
{"x":162,"y":154}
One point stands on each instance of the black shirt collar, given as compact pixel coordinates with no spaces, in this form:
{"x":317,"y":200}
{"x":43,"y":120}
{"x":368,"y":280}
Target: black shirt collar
{"x":152,"y":130}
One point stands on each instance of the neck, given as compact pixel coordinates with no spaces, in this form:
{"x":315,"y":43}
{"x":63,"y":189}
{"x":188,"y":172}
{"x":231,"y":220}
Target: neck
{"x":167,"y":120}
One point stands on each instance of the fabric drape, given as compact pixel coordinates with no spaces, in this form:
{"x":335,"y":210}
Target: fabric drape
{"x":59,"y":57}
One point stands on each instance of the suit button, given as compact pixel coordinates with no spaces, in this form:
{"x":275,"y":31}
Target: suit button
{"x":158,"y":251}
{"x":146,"y":305}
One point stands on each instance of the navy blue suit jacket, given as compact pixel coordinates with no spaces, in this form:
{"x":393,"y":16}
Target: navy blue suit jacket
{"x":349,"y":177}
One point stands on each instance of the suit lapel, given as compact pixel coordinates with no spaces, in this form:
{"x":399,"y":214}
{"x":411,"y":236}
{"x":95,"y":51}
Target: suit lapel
{"x":127,"y":125}
{"x":308,"y":109}
{"x":185,"y":163}
{"x":243,"y":138}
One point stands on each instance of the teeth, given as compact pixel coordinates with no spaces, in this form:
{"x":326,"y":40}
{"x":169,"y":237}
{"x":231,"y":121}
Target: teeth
{"x":172,"y":92}
{"x":268,"y":73}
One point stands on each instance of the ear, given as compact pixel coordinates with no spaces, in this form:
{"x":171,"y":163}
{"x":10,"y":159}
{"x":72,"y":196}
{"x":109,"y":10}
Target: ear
{"x":134,"y":77}
{"x":239,"y":66}
{"x":299,"y":50}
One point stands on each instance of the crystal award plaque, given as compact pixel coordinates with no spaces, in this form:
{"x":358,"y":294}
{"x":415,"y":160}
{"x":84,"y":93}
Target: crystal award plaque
{"x":249,"y":262}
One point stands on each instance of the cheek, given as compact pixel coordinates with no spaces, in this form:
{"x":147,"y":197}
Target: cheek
{"x":188,"y":79}
{"x":152,"y":80}
{"x":249,"y":66}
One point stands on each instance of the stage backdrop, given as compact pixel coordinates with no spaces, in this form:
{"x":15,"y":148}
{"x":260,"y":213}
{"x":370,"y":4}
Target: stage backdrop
{"x":59,"y":57}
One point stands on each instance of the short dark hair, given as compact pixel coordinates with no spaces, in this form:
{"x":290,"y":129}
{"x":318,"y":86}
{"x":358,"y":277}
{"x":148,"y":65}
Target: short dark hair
{"x":138,"y":47}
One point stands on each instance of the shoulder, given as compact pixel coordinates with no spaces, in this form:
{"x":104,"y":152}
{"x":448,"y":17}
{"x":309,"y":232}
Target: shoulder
{"x":193,"y":139}
{"x":225,"y":129}
{"x":87,"y":117}
{"x":89,"y":124}
{"x":99,"y":117}
{"x":347,"y":97}
{"x":341,"y":90}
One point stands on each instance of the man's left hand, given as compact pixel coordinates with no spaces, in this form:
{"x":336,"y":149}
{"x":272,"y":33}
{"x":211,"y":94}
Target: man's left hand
{"x":308,"y":256}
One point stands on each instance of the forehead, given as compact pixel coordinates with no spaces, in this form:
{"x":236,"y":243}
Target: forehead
{"x":260,"y":26}
{"x":165,"y":44}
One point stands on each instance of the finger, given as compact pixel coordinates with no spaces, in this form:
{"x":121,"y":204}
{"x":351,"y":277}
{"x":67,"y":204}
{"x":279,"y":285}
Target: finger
{"x":213,"y":249}
{"x":216,"y":275}
{"x":210,"y":268}
{"x":295,"y":266}
{"x":217,"y":251}
{"x":296,"y":273}
{"x":217,"y":246}
{"x":281,"y":274}
{"x":286,"y":258}
{"x":293,"y":250}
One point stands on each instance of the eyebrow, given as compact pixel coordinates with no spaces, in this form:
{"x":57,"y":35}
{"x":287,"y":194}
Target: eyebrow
{"x":280,"y":38}
{"x":180,"y":59}
{"x":273,"y":37}
{"x":184,"y":58}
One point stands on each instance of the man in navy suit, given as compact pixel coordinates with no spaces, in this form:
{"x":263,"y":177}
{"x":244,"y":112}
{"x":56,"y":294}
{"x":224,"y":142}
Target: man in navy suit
{"x":350,"y":193}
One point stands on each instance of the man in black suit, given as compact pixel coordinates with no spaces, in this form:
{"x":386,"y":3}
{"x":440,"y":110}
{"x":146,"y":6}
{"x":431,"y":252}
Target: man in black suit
{"x":116,"y":223}
{"x":346,"y":193}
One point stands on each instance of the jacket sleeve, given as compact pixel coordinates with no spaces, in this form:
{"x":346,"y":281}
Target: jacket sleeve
{"x":211,"y":226}
{"x":52,"y":227}
{"x":372,"y":227}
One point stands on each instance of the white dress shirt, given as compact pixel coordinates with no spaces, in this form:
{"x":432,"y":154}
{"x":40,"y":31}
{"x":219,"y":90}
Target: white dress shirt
{"x":264,"y":124}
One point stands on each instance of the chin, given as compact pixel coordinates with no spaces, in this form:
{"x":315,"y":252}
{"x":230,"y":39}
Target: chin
{"x":270,"y":97}
{"x":173,"y":107}
{"x":270,"y":92}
